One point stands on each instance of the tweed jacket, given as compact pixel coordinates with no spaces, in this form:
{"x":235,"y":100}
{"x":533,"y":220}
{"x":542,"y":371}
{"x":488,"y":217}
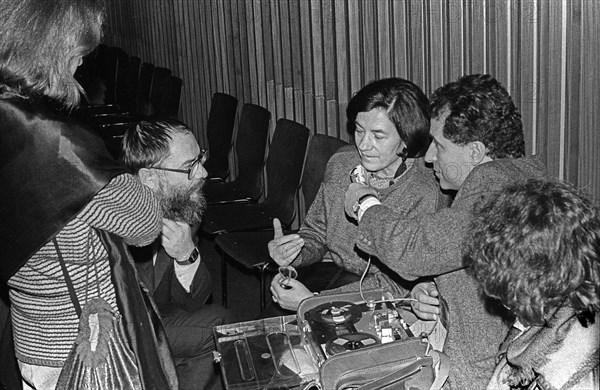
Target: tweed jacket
{"x":329,"y":234}
{"x":431,"y":245}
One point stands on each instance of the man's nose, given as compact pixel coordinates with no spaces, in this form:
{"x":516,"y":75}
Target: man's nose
{"x":202,"y":172}
{"x":431,"y":154}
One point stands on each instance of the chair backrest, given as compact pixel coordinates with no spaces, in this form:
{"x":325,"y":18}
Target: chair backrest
{"x":108,"y":70}
{"x":219,"y":131}
{"x":320,"y":150}
{"x":167,"y":104}
{"x":127,"y":84}
{"x":143,"y":89}
{"x":159,"y":81}
{"x":250,"y":146}
{"x":285,"y":163}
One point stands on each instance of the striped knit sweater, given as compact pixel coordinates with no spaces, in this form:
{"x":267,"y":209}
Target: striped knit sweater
{"x":44,"y":320}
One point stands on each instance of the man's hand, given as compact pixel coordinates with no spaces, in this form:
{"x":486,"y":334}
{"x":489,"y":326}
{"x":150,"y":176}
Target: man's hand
{"x":427,"y":306}
{"x":176,"y":238}
{"x":284,"y":249}
{"x":288,"y":298}
{"x":355,"y":192}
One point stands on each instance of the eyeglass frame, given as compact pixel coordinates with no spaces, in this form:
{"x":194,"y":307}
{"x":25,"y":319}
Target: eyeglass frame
{"x":200,"y":160}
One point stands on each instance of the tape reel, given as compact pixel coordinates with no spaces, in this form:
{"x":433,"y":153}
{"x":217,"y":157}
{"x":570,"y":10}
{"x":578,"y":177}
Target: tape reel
{"x":337,"y":313}
{"x":350,"y":342}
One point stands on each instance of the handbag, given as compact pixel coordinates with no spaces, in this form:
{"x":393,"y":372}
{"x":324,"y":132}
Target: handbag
{"x":100,"y":357}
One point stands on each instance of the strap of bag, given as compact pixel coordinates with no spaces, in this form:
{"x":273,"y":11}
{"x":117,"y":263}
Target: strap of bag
{"x":394,"y":377}
{"x":441,"y":374}
{"x":70,"y":287}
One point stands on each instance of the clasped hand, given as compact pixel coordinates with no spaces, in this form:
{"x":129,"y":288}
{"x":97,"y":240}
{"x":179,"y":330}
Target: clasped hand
{"x":427,"y":304}
{"x":288,"y":293}
{"x":176,"y":238}
{"x":354,"y":193}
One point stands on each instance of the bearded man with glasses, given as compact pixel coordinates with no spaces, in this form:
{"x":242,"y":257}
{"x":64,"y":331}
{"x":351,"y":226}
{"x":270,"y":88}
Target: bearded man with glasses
{"x":165,"y":156}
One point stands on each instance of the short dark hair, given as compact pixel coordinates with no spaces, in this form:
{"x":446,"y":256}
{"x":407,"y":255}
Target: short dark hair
{"x":536,"y":246}
{"x":146,"y":144}
{"x":39,"y":42}
{"x":480,"y":109}
{"x":406,"y":106}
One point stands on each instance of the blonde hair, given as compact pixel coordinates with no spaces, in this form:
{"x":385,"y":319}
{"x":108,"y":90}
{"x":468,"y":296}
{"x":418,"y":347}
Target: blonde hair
{"x":39,"y":42}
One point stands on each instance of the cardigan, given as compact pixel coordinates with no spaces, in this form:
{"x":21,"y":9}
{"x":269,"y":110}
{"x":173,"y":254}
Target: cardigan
{"x":431,"y":246}
{"x":329,"y":234}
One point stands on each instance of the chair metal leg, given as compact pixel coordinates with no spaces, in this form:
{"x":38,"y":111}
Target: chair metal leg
{"x":223,"y":279}
{"x":263,"y":271}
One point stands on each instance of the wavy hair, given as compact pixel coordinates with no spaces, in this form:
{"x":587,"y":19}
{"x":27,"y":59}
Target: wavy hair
{"x":480,"y":109}
{"x":147,"y":143}
{"x":406,"y":106}
{"x":40,"y":42}
{"x":536,"y":246}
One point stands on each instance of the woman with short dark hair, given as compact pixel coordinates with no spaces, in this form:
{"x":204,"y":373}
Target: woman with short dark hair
{"x":389,"y":120}
{"x":536,"y":248}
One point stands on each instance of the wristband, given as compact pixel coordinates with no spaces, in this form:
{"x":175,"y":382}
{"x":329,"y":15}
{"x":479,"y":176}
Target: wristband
{"x":192,"y":258}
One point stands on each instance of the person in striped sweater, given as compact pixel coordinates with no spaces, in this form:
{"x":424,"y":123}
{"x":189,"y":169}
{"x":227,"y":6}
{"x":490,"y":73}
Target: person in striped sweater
{"x":65,"y":208}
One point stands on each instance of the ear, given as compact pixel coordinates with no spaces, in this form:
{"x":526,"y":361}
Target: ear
{"x":401,"y":151}
{"x":477,"y":152}
{"x":149,"y":178}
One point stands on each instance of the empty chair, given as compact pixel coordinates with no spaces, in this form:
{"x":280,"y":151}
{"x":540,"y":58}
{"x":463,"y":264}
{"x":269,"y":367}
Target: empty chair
{"x":127,"y":85}
{"x":167,"y":104}
{"x":250,"y":248}
{"x":160,"y":78}
{"x":250,"y":146}
{"x":284,"y":167}
{"x":219,"y":130}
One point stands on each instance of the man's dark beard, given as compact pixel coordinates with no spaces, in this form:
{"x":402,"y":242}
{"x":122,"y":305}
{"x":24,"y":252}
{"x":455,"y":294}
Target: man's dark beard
{"x":177,"y":204}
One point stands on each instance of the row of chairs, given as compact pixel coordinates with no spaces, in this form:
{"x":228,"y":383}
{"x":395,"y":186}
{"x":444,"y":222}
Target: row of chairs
{"x":121,"y":90}
{"x":240,"y":223}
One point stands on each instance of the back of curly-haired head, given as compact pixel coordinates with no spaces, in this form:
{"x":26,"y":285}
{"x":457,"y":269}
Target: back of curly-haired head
{"x":536,"y":246}
{"x":41,"y":42}
{"x":479,"y":108}
{"x":147,"y":143}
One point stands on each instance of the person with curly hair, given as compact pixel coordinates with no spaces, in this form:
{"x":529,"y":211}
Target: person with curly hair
{"x":477,"y":148}
{"x":535,"y":247}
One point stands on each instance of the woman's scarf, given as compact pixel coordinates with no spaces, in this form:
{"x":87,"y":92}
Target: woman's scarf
{"x":524,"y":357}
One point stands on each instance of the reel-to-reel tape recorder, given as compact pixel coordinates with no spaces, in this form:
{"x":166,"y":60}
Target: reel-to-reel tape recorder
{"x":287,"y":352}
{"x":341,"y":326}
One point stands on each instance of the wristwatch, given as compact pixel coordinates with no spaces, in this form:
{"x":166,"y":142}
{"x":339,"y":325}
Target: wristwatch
{"x":193,"y":257}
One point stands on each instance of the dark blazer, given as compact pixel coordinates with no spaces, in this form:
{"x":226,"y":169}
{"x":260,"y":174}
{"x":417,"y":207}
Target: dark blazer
{"x":163,"y":285}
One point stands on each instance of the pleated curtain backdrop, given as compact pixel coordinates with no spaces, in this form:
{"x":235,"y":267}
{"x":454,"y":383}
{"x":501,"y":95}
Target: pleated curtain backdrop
{"x":303,"y":59}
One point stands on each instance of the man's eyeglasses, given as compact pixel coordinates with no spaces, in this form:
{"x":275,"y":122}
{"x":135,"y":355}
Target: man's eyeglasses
{"x":193,"y":169}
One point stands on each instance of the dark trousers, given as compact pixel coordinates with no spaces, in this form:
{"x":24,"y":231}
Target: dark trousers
{"x":190,"y":336}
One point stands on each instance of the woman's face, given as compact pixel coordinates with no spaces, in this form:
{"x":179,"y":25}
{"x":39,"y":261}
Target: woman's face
{"x":378,"y":142}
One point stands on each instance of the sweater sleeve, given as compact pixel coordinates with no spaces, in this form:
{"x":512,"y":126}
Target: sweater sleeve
{"x":313,"y":231}
{"x":414,"y":247}
{"x":126,"y":208}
